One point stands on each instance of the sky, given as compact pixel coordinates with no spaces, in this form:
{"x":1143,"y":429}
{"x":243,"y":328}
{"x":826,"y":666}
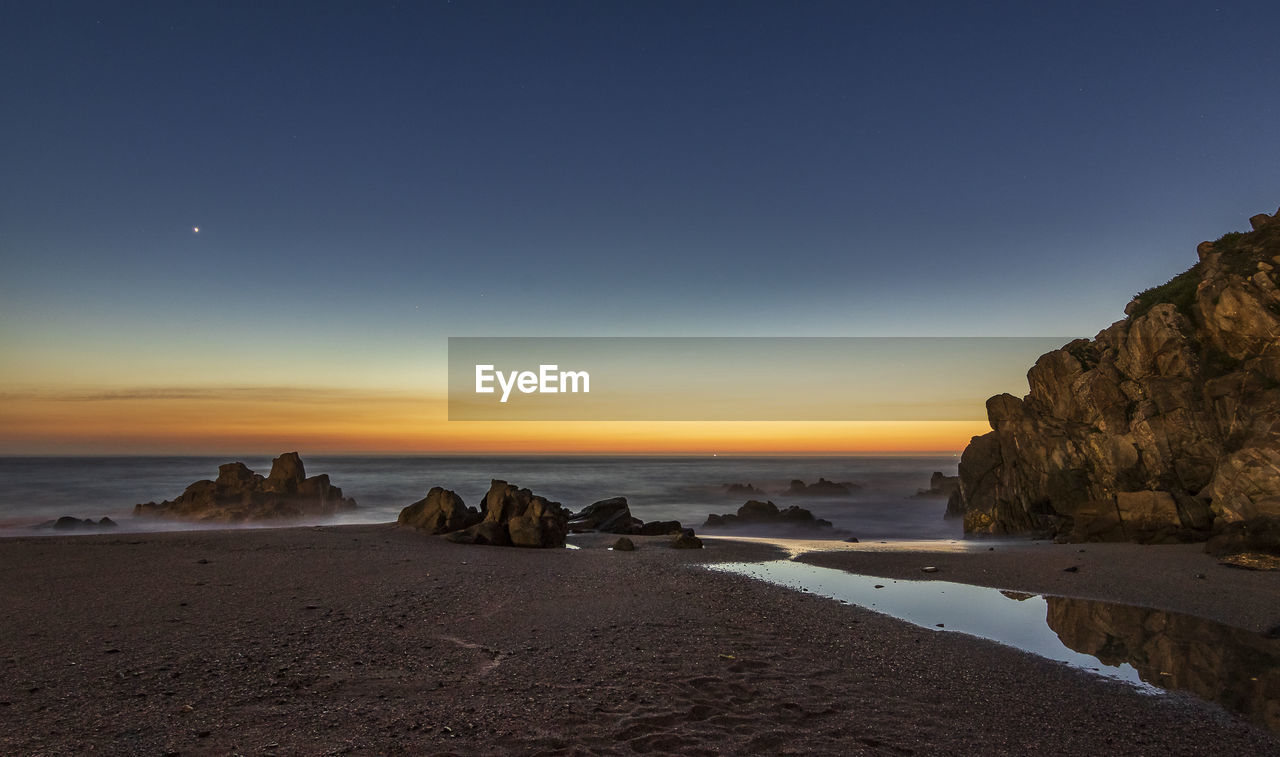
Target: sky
{"x":369,"y":179}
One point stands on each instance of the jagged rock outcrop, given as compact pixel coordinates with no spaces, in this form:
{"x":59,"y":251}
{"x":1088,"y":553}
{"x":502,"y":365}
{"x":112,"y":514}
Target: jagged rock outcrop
{"x":516,"y":517}
{"x":613,"y":516}
{"x":821,"y":488}
{"x":756,"y":512}
{"x":68,"y":523}
{"x":440,"y":512}
{"x":1162,"y":427}
{"x":239,"y":494}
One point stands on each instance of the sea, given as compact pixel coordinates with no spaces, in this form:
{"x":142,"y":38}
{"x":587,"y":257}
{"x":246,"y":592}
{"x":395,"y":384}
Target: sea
{"x":882,"y":505}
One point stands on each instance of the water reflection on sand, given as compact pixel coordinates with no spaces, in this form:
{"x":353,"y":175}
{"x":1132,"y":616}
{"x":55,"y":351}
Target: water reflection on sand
{"x":1151,"y":649}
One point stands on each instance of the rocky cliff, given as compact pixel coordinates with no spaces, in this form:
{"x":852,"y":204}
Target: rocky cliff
{"x":1163,"y":427}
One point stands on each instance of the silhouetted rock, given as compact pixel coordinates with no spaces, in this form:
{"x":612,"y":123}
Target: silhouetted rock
{"x":1164,"y":427}
{"x":757,"y":512}
{"x":821,"y":488}
{"x":68,"y":523}
{"x":741,"y":490}
{"x":440,"y":512}
{"x":661,"y":528}
{"x":239,"y":494}
{"x":611,"y":516}
{"x":623,"y":544}
{"x":947,"y":487}
{"x":687,"y":540}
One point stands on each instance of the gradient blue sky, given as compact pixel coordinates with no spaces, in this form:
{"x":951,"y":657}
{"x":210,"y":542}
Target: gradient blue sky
{"x":370,"y":178}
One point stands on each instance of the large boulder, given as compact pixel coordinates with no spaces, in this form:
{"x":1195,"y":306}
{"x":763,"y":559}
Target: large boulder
{"x":440,"y":512}
{"x":611,"y":516}
{"x":530,"y":520}
{"x":1163,"y":427}
{"x":238,"y":494}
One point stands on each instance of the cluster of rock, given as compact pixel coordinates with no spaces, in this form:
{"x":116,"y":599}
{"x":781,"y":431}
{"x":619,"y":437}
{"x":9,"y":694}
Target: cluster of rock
{"x":239,"y":494}
{"x":68,"y":523}
{"x":821,"y":488}
{"x":755,"y":512}
{"x":944,"y":487}
{"x":513,"y":517}
{"x":1164,"y":427}
{"x":798,"y":488}
{"x":508,"y":516}
{"x":613,"y":516}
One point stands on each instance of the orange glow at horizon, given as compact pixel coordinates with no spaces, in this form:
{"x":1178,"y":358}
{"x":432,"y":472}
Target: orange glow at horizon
{"x":321,"y":421}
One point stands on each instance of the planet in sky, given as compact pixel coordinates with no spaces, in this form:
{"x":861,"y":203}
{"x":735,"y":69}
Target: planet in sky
{"x":195,"y":229}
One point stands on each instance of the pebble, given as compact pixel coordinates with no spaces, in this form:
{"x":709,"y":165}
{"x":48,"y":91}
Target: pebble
{"x":929,"y":569}
{"x":1072,"y":569}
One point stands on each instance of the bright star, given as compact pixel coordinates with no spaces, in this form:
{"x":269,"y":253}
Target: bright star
{"x":195,"y":229}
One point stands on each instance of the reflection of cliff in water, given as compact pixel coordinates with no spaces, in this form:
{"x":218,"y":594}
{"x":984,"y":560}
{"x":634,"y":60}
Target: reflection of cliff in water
{"x":1238,"y":669}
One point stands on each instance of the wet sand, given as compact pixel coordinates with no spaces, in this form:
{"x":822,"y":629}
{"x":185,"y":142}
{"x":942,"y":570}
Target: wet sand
{"x":372,"y":640}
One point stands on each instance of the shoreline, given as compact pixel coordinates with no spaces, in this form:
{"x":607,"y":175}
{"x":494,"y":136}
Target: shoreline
{"x":374,"y":639}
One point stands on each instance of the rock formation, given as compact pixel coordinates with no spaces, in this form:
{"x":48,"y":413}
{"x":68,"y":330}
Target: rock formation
{"x":613,"y":516}
{"x":511,"y":516}
{"x":440,"y":512}
{"x":821,"y":488}
{"x":757,"y":512}
{"x":68,"y":523}
{"x":239,"y":494}
{"x":1163,"y":427}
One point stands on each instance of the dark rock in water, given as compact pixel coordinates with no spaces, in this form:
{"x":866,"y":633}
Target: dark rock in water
{"x":687,"y":540}
{"x":757,"y":512}
{"x":821,"y":488}
{"x":661,"y":528}
{"x":741,"y":490}
{"x":68,"y":523}
{"x":1164,"y":427}
{"x":239,"y":494}
{"x":623,"y":544}
{"x":852,"y":540}
{"x":939,"y":486}
{"x":440,"y":512}
{"x":610,"y":516}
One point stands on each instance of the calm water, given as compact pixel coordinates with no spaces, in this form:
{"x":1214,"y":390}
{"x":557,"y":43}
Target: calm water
{"x":1151,"y":649}
{"x":33,"y":490}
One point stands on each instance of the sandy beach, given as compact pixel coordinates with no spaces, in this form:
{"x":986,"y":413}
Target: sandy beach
{"x":373,"y":640}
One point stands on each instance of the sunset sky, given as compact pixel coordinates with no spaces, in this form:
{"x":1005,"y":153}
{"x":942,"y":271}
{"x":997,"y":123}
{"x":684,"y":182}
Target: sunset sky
{"x":369,"y":179}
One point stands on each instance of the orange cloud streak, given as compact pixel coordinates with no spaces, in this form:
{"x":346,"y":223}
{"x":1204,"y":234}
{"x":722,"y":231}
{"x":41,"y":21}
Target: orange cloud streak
{"x":216,"y":421}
